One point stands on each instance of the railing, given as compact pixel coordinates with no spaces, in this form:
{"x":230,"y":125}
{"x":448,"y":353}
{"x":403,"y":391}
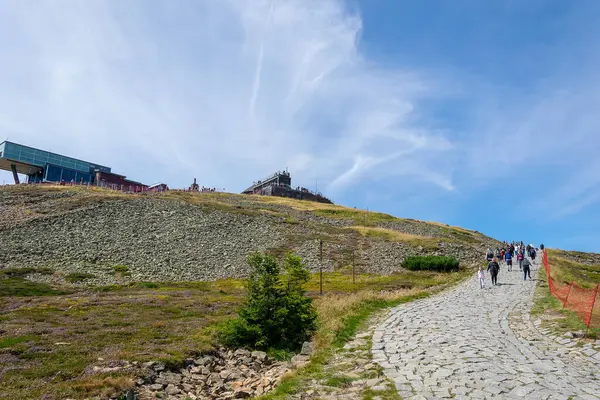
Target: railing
{"x":583,"y":302}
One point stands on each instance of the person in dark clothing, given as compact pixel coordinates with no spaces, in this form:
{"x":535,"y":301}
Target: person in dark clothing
{"x":494,"y":268}
{"x":532,"y":254}
{"x":526,"y":269}
{"x":490,"y":254}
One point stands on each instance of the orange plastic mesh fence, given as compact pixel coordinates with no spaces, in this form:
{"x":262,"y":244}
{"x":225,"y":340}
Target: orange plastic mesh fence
{"x":584,"y":302}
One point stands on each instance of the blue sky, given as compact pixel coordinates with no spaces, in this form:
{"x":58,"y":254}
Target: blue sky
{"x":478,"y":114}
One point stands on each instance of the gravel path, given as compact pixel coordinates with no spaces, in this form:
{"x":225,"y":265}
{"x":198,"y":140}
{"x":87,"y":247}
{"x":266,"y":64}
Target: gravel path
{"x":477,"y":344}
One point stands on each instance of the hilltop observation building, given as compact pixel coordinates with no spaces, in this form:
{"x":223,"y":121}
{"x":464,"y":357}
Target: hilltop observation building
{"x":42,"y":166}
{"x":280,"y":184}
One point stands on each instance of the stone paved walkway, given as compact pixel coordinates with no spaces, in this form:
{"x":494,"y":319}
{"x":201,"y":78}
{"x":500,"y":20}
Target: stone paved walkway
{"x":461,"y":344}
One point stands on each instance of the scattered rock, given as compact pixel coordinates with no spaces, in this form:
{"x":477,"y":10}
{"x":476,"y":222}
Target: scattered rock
{"x":172,"y":389}
{"x":61,"y":225}
{"x":222,"y":375}
{"x":259,"y":355}
{"x":307,"y":349}
{"x":299,"y":360}
{"x":156,"y":386}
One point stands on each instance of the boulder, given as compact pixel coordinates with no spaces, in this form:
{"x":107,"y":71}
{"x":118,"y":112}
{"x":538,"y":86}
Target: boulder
{"x":259,"y":355}
{"x":307,"y":349}
{"x":242,"y":353}
{"x":169,"y":378}
{"x":225,"y":374}
{"x":172,"y":390}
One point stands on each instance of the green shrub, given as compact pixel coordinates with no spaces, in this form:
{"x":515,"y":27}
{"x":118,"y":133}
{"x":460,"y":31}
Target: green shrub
{"x":23,"y":272}
{"x":23,"y":287}
{"x":120,"y":269}
{"x":78,"y":277}
{"x":276,"y":313}
{"x":431,"y":263}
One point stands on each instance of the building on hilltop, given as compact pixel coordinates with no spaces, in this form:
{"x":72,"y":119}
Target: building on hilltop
{"x":280,"y":184}
{"x":158,"y":187}
{"x":42,"y":166}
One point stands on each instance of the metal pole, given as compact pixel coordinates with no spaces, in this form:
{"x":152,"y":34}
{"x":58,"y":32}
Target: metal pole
{"x":353,"y":278}
{"x":321,"y":267}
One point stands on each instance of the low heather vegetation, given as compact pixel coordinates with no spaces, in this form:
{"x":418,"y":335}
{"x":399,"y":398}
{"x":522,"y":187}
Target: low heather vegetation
{"x":431,"y":263}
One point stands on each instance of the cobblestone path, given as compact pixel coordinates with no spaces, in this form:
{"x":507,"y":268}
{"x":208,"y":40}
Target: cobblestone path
{"x":477,"y":344}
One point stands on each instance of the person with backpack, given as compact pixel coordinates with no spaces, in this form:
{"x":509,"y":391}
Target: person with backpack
{"x":489,"y":254}
{"x":494,"y":268}
{"x":532,"y":255}
{"x":508,"y":259}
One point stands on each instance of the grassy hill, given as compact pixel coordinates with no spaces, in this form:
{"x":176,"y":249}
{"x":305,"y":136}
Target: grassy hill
{"x":92,"y":280}
{"x":105,"y":237}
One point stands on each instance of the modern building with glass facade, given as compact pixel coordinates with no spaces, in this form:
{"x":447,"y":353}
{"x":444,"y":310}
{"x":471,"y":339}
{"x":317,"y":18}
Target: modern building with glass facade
{"x":44,"y":166}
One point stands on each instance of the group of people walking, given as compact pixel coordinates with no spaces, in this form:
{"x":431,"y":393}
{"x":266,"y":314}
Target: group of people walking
{"x":523,"y":253}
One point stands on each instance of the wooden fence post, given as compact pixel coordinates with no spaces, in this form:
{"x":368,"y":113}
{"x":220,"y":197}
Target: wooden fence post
{"x":353,"y":279}
{"x":321,"y":267}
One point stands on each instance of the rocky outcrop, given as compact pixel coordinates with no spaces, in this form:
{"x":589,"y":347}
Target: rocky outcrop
{"x":193,"y":237}
{"x":222,"y":375}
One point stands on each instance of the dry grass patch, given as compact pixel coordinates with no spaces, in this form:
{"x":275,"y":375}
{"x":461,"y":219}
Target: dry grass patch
{"x":452,"y":227}
{"x":396,"y":236}
{"x":104,"y":387}
{"x":303,"y":205}
{"x":333,"y":307}
{"x":565,"y":270}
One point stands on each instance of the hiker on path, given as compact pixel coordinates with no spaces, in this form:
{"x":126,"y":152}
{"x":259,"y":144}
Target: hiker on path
{"x":526,"y":269}
{"x":520,"y":257}
{"x":494,"y":267}
{"x":532,"y":255}
{"x":490,"y":254}
{"x":508,"y":259}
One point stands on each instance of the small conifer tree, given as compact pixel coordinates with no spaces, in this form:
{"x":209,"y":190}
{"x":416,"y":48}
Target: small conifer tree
{"x":276,"y":313}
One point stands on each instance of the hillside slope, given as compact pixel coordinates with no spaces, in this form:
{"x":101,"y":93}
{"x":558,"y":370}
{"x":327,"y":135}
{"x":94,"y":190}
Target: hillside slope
{"x":178,"y":236}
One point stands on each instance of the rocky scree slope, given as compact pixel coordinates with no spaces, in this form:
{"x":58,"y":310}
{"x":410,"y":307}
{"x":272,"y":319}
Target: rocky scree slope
{"x":180,"y":236}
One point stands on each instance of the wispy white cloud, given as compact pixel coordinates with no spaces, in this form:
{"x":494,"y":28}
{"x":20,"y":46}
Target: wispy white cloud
{"x":224,"y":91}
